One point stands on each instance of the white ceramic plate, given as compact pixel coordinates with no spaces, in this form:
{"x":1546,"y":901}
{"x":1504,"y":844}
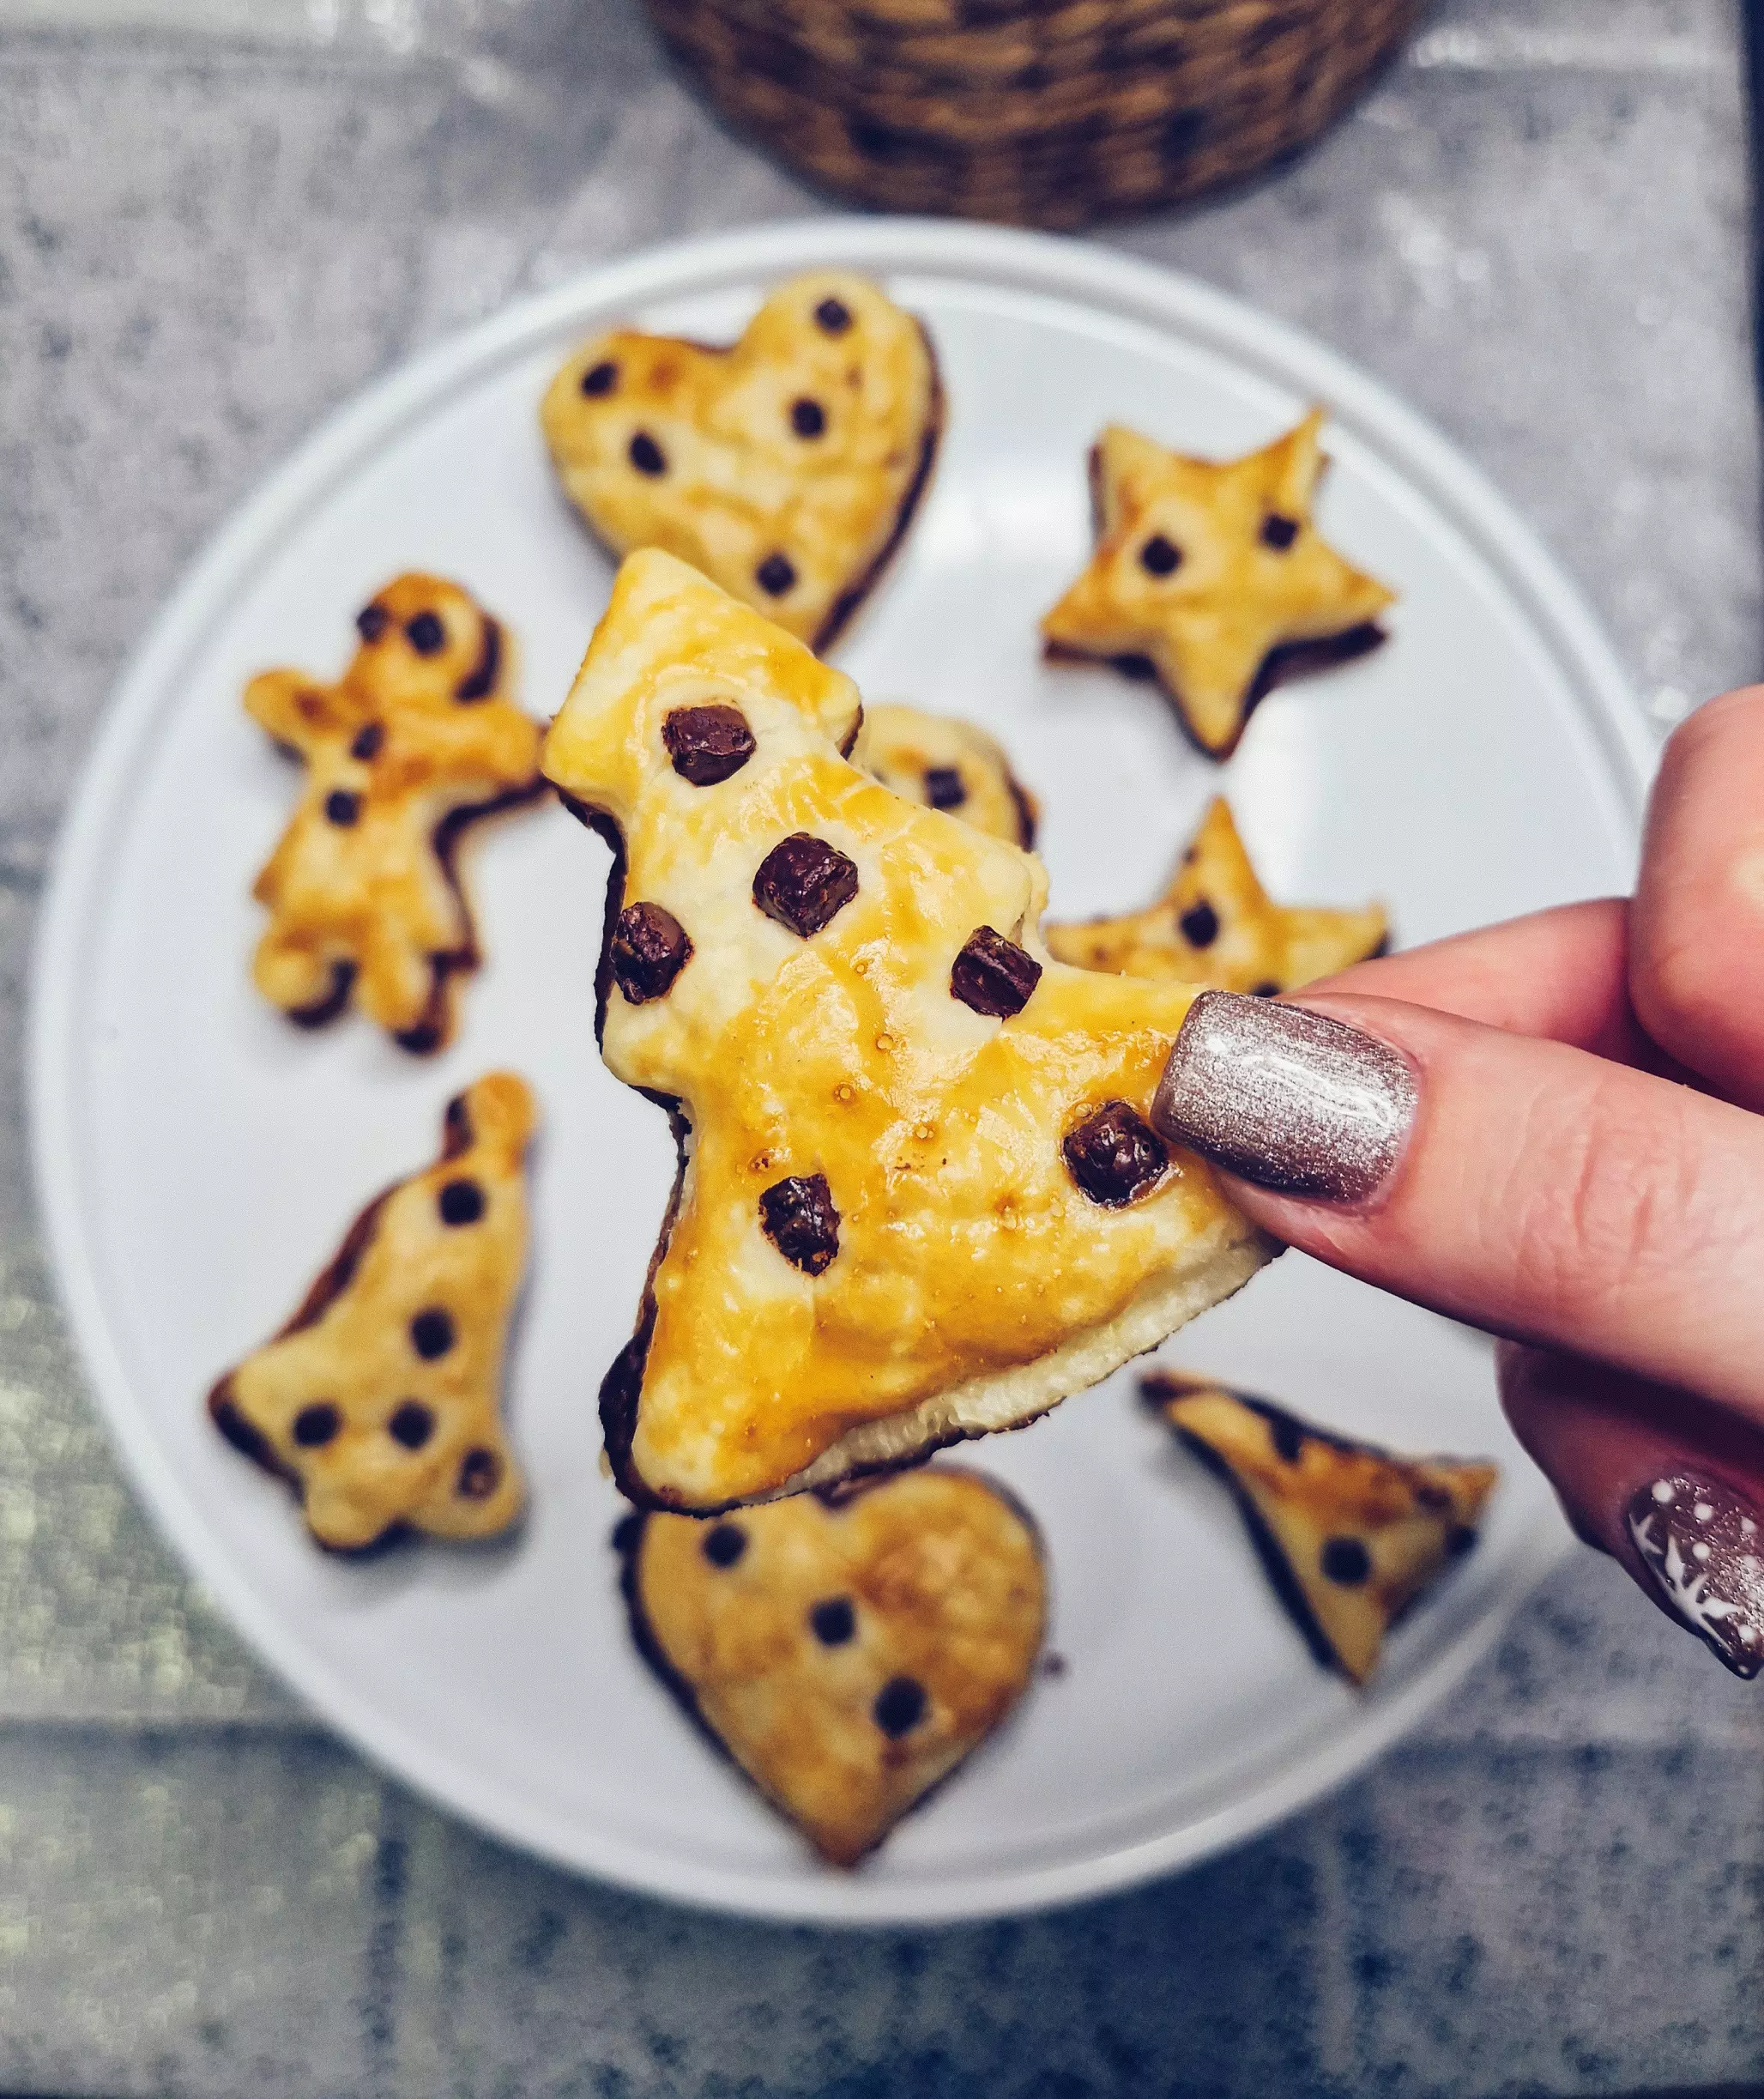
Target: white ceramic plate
{"x":197,"y":1157}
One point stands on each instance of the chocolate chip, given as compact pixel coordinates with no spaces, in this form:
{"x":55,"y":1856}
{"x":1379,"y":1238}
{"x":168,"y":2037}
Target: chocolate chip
{"x":993,"y":976}
{"x":600,"y":378}
{"x":341,"y":808}
{"x":1159,"y":556}
{"x":460,"y":1202}
{"x":1278,"y":532}
{"x":650,"y":949}
{"x":1459,"y":1540}
{"x":808,"y":418}
{"x":776,"y":575}
{"x":1346,"y":1560}
{"x":368,"y":739}
{"x":432,"y":1332}
{"x":316,"y":1423}
{"x":1288,"y":1439}
{"x":425,"y":634}
{"x":944,"y":787}
{"x":797,"y":1215}
{"x":411,"y":1423}
{"x":371,"y":622}
{"x":646,"y":455}
{"x":832,"y":317}
{"x":708,"y":744}
{"x":1428,"y":1496}
{"x":805,"y":883}
{"x":1114,"y":1155}
{"x":1267,"y":989}
{"x":480,"y":1475}
{"x":833,"y":1621}
{"x":1199,"y":924}
{"x":724,"y":1543}
{"x":899,"y":1707}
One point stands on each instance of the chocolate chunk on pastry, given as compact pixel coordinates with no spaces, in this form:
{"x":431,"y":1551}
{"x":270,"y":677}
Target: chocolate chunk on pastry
{"x":919,"y":1195}
{"x":379,"y":1402}
{"x":1351,"y":1535}
{"x":946,"y":763}
{"x":1211,"y":576}
{"x":846,"y":1650}
{"x":1216,"y":925}
{"x":785,"y":466}
{"x":417,"y":739}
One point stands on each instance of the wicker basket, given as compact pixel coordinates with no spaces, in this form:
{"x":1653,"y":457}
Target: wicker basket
{"x":1043,"y":112}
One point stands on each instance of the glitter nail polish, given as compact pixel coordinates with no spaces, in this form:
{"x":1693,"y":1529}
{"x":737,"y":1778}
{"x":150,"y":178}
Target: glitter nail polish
{"x":1289,"y":1099}
{"x":1705,"y":1549}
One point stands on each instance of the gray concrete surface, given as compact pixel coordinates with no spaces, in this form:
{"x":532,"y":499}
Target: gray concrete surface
{"x":216,"y":222}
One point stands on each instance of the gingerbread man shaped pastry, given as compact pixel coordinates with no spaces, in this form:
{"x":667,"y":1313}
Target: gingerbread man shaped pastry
{"x":415,"y":741}
{"x":921,"y":1198}
{"x":1211,"y":576}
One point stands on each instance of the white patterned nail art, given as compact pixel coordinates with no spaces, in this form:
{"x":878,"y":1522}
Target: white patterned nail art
{"x":1703,"y":1549}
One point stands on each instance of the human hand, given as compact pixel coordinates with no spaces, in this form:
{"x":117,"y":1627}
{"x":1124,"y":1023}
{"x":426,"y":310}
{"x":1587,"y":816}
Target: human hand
{"x":1554,"y":1130}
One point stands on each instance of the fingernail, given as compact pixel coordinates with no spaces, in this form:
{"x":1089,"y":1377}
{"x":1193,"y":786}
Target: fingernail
{"x":1703,"y":1546}
{"x":1287,"y":1098}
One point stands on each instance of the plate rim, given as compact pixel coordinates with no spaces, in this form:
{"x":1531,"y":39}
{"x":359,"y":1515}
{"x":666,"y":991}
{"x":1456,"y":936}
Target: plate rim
{"x":249,"y":536}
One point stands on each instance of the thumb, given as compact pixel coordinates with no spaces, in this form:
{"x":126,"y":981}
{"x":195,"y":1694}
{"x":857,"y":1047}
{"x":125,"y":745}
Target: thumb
{"x":1525,"y":1186}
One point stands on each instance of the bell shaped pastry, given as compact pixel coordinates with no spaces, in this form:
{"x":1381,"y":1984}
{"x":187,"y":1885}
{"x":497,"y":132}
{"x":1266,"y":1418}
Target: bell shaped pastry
{"x":1211,"y":576}
{"x":918,"y":1196}
{"x":785,"y":466}
{"x":848,"y":1650}
{"x":1350,"y":1535}
{"x":380,"y":1400}
{"x":946,"y":763}
{"x":417,"y":739}
{"x":1216,"y":925}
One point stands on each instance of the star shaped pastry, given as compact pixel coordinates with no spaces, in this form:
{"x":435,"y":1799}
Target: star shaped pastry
{"x":1216,"y":925}
{"x":919,"y":1196}
{"x":1211,"y":576}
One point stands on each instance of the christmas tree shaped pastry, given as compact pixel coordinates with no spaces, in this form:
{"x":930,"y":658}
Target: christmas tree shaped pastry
{"x":1216,"y":925}
{"x":946,"y":763}
{"x":846,"y":1650}
{"x":1211,"y":576}
{"x":785,"y":466}
{"x":1350,"y":1535}
{"x":379,"y":1400}
{"x":415,"y":741}
{"x":918,"y":1196}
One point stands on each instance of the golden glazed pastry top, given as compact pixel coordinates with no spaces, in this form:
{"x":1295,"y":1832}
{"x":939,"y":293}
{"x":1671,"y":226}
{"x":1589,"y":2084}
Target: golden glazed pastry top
{"x":1357,"y":1533}
{"x":784,"y":467}
{"x":948,"y":764}
{"x":848,"y":1654}
{"x":380,"y":1399}
{"x":1214,"y":574}
{"x":418,"y":735}
{"x":882,"y":1197}
{"x":1216,"y":925}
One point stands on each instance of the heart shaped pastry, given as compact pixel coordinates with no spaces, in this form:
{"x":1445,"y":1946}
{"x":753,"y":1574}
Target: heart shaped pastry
{"x":848,"y":1650}
{"x":379,"y":1400}
{"x":1350,"y":1535}
{"x":785,"y":467}
{"x":1216,"y":925}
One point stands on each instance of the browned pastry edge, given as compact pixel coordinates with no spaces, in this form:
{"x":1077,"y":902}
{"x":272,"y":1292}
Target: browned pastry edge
{"x":1156,"y":1390}
{"x":846,"y":603}
{"x":627,"y":1541}
{"x":1026,"y":813}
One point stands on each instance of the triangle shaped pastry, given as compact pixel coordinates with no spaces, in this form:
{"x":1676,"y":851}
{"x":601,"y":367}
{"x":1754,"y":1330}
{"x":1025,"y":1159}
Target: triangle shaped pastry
{"x":1211,"y":576}
{"x":785,"y":466}
{"x":919,"y":1195}
{"x":380,"y":1400}
{"x":1350,"y":1534}
{"x":418,"y":739}
{"x":846,"y":1650}
{"x":1216,"y":925}
{"x":946,"y":763}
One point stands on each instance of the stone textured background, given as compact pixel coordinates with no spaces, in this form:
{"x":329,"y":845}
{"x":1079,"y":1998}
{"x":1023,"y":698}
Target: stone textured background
{"x":217,"y":218}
